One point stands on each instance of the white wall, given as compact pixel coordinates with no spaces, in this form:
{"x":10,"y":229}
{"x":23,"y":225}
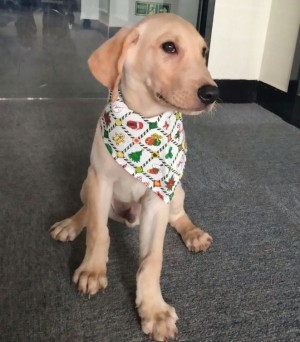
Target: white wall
{"x":280,"y":43}
{"x":238,"y":38}
{"x":254,"y":40}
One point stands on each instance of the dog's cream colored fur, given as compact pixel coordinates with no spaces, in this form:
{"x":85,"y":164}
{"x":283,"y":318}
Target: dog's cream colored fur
{"x":134,"y":61}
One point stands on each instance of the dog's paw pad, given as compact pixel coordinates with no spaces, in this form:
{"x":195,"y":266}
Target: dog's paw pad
{"x":90,"y":282}
{"x":66,"y":230}
{"x":197,"y":241}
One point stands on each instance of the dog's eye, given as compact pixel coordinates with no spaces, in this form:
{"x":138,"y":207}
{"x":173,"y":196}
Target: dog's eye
{"x":169,"y":47}
{"x":204,"y":51}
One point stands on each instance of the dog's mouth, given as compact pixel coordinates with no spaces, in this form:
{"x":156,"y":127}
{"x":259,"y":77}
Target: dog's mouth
{"x":183,"y":109}
{"x":159,"y":95}
{"x":162,"y":98}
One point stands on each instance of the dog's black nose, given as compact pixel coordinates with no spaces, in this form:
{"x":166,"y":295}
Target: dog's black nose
{"x":208,"y":94}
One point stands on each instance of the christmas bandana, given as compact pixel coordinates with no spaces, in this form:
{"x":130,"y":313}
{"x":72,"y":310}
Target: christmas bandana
{"x":152,"y":150}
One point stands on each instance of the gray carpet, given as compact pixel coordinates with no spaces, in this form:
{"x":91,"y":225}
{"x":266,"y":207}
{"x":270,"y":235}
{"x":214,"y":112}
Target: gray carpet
{"x":243,"y":186}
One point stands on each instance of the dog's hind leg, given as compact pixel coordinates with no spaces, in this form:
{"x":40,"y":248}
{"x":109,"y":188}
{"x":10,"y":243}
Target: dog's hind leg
{"x":194,"y":238}
{"x":70,"y":228}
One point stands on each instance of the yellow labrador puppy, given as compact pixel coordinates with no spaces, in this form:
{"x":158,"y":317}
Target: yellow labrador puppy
{"x":154,"y":71}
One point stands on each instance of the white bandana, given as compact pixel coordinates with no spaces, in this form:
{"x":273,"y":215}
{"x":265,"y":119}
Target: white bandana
{"x":152,"y":150}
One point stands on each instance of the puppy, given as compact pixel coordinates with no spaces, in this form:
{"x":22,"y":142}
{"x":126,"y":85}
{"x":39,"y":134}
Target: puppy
{"x":154,"y":71}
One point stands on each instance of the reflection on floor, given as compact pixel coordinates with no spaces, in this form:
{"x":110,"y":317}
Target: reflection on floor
{"x":44,"y":50}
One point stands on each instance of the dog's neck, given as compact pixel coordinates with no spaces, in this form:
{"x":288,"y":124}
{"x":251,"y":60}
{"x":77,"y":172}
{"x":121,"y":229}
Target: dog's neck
{"x":137,"y":98}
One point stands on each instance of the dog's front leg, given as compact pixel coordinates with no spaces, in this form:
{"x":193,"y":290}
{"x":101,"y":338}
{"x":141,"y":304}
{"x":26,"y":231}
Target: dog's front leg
{"x":158,"y":318}
{"x":194,"y":238}
{"x":90,"y":276}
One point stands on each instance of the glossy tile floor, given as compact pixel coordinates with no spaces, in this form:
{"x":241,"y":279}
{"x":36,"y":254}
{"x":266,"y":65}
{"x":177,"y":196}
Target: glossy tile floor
{"x":44,"y":49}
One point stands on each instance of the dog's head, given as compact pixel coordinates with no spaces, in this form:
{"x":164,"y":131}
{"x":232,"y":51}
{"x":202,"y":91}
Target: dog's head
{"x":161,"y":63}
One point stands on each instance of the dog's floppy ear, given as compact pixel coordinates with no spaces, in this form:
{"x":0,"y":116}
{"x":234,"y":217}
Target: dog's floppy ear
{"x":107,"y":61}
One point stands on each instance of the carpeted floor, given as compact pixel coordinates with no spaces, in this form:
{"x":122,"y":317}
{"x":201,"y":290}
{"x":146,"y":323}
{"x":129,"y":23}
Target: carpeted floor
{"x":243,"y":186}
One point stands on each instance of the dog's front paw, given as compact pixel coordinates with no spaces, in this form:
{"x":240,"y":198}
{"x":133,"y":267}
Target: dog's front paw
{"x":158,"y":321}
{"x":197,"y":240}
{"x":90,"y":281}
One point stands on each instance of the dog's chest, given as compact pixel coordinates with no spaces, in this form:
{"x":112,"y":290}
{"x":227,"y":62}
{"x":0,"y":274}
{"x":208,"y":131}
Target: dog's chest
{"x":128,"y":189}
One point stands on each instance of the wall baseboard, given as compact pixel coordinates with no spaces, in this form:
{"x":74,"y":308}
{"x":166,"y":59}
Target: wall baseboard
{"x":277,"y":101}
{"x":237,"y":91}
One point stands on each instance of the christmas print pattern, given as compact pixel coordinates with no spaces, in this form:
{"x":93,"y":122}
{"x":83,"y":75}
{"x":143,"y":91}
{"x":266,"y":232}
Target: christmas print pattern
{"x":153,"y":150}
